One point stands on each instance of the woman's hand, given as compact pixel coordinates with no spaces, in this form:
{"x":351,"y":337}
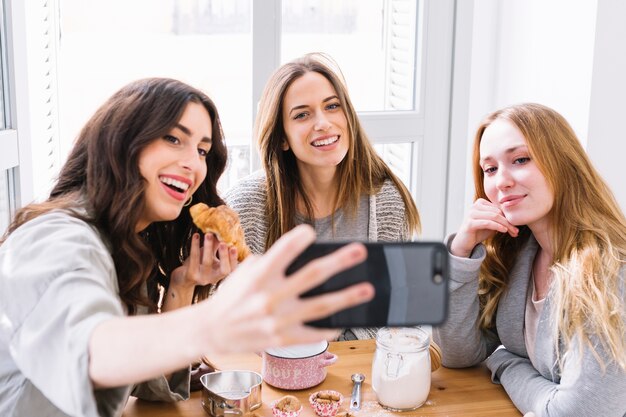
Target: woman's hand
{"x":259,"y":306}
{"x":483,"y":221}
{"x":202,"y":267}
{"x":256,"y":308}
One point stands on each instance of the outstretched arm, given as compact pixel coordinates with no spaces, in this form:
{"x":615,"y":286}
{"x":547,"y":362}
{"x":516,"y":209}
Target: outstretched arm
{"x":257,"y":307}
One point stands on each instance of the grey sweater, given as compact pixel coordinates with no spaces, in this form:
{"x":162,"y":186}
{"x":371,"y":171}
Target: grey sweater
{"x":580,"y":388}
{"x":247,"y":197}
{"x":387,"y":222}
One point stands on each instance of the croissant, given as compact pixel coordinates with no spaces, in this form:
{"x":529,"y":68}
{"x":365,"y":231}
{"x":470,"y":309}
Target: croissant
{"x":223,"y":223}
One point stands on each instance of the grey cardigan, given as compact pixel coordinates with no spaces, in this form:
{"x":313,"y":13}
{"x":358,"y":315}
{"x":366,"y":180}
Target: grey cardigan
{"x":581,"y":388}
{"x":247,"y":197}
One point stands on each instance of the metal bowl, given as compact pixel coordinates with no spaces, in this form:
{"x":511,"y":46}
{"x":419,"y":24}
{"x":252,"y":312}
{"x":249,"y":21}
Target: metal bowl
{"x":231,"y":393}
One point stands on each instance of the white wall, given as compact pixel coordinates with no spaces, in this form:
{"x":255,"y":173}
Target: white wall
{"x":607,"y":140}
{"x":545,"y":55}
{"x":553,"y":52}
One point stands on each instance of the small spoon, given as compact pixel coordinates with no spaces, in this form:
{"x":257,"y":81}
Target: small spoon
{"x":355,"y":400}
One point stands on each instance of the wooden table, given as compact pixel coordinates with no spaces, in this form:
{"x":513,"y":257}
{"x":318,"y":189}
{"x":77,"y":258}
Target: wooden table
{"x":454,"y":392}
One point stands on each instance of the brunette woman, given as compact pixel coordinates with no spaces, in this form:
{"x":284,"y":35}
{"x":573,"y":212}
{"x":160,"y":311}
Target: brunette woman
{"x":79,"y":272}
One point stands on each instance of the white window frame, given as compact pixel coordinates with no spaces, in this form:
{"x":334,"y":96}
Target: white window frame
{"x":32,"y":33}
{"x":9,"y":156}
{"x":427,"y":128}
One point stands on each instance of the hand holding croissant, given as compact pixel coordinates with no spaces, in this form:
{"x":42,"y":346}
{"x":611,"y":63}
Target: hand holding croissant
{"x":223,"y":222}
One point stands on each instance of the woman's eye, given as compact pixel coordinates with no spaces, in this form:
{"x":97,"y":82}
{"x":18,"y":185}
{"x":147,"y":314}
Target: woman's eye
{"x":203,"y":152}
{"x":489,"y":170}
{"x":333,"y":106}
{"x":521,"y":160}
{"x":299,"y":116}
{"x":172,"y":139}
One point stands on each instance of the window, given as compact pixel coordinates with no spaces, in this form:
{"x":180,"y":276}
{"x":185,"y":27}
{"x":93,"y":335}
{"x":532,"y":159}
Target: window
{"x":395,"y":56}
{"x":8,"y":136}
{"x":374,"y":44}
{"x":206,"y":43}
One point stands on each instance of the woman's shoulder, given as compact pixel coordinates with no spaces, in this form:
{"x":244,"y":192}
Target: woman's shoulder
{"x":251,"y":187}
{"x":56,"y":232}
{"x":58,"y":221}
{"x":60,"y":245}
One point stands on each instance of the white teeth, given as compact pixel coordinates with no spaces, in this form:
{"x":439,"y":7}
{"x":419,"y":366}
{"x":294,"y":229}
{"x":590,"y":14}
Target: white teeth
{"x":178,"y":184}
{"x":324,"y":142}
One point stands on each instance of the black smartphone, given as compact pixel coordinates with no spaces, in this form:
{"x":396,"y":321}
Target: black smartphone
{"x":410,"y":278}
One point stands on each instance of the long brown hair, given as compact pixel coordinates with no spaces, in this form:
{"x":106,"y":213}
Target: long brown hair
{"x":588,"y":235}
{"x":102,"y":170}
{"x":362,"y":171}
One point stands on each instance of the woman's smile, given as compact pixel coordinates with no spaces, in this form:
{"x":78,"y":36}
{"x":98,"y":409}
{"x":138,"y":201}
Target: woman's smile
{"x":326,"y":142}
{"x":176,"y":186}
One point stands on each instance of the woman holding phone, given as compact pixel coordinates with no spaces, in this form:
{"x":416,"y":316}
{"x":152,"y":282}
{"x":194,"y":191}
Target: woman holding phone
{"x":79,"y":271}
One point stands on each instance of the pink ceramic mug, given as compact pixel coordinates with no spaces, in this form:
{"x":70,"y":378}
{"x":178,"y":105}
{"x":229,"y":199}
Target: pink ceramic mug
{"x":297,"y":367}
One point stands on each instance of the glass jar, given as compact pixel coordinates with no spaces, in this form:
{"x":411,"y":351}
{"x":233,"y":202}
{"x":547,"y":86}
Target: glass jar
{"x":401,"y":368}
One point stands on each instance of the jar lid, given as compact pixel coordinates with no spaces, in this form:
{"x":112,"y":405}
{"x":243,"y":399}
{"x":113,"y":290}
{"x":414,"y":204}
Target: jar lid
{"x":298,"y":351}
{"x":403,"y":339}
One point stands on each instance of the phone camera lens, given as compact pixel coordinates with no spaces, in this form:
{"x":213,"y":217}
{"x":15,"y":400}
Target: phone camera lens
{"x":437,"y":279}
{"x":438,"y":261}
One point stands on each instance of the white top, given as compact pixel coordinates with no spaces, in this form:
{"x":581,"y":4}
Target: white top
{"x":531,"y":321}
{"x":57,"y":282}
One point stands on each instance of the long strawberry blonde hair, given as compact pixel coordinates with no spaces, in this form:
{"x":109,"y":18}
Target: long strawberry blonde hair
{"x":588,"y":234}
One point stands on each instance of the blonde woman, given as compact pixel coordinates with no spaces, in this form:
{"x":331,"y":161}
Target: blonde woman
{"x":539,"y":270}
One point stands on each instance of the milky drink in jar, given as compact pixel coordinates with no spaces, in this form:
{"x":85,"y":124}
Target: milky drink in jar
{"x":401,"y":368}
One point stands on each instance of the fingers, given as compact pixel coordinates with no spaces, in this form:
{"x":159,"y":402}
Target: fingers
{"x":283,"y":324}
{"x":290,"y":245}
{"x":321,"y":269}
{"x":194,"y":253}
{"x":483,"y":220}
{"x":321,"y":306}
{"x":487,"y":215}
{"x":272,"y":308}
{"x":209,"y":249}
{"x":228,"y":259}
{"x":224,"y":258}
{"x":234,"y":262}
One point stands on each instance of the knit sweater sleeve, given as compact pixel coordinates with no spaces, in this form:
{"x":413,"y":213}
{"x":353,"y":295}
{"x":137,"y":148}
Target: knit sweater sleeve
{"x":461,"y":339}
{"x":247,"y":197}
{"x":389,"y":216}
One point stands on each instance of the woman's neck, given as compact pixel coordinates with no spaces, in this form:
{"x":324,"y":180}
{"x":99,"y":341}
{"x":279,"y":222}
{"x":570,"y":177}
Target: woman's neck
{"x":321,"y":189}
{"x":543,"y":260}
{"x":542,"y":230}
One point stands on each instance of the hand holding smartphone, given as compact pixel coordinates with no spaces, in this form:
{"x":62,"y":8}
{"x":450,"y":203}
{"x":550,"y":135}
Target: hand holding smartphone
{"x":410,"y":278}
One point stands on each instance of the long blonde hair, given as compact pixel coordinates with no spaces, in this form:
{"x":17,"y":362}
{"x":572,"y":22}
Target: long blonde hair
{"x":362,"y":171}
{"x":588,"y":237}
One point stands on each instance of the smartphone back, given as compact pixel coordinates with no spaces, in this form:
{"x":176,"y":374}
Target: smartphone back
{"x":410,"y":278}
